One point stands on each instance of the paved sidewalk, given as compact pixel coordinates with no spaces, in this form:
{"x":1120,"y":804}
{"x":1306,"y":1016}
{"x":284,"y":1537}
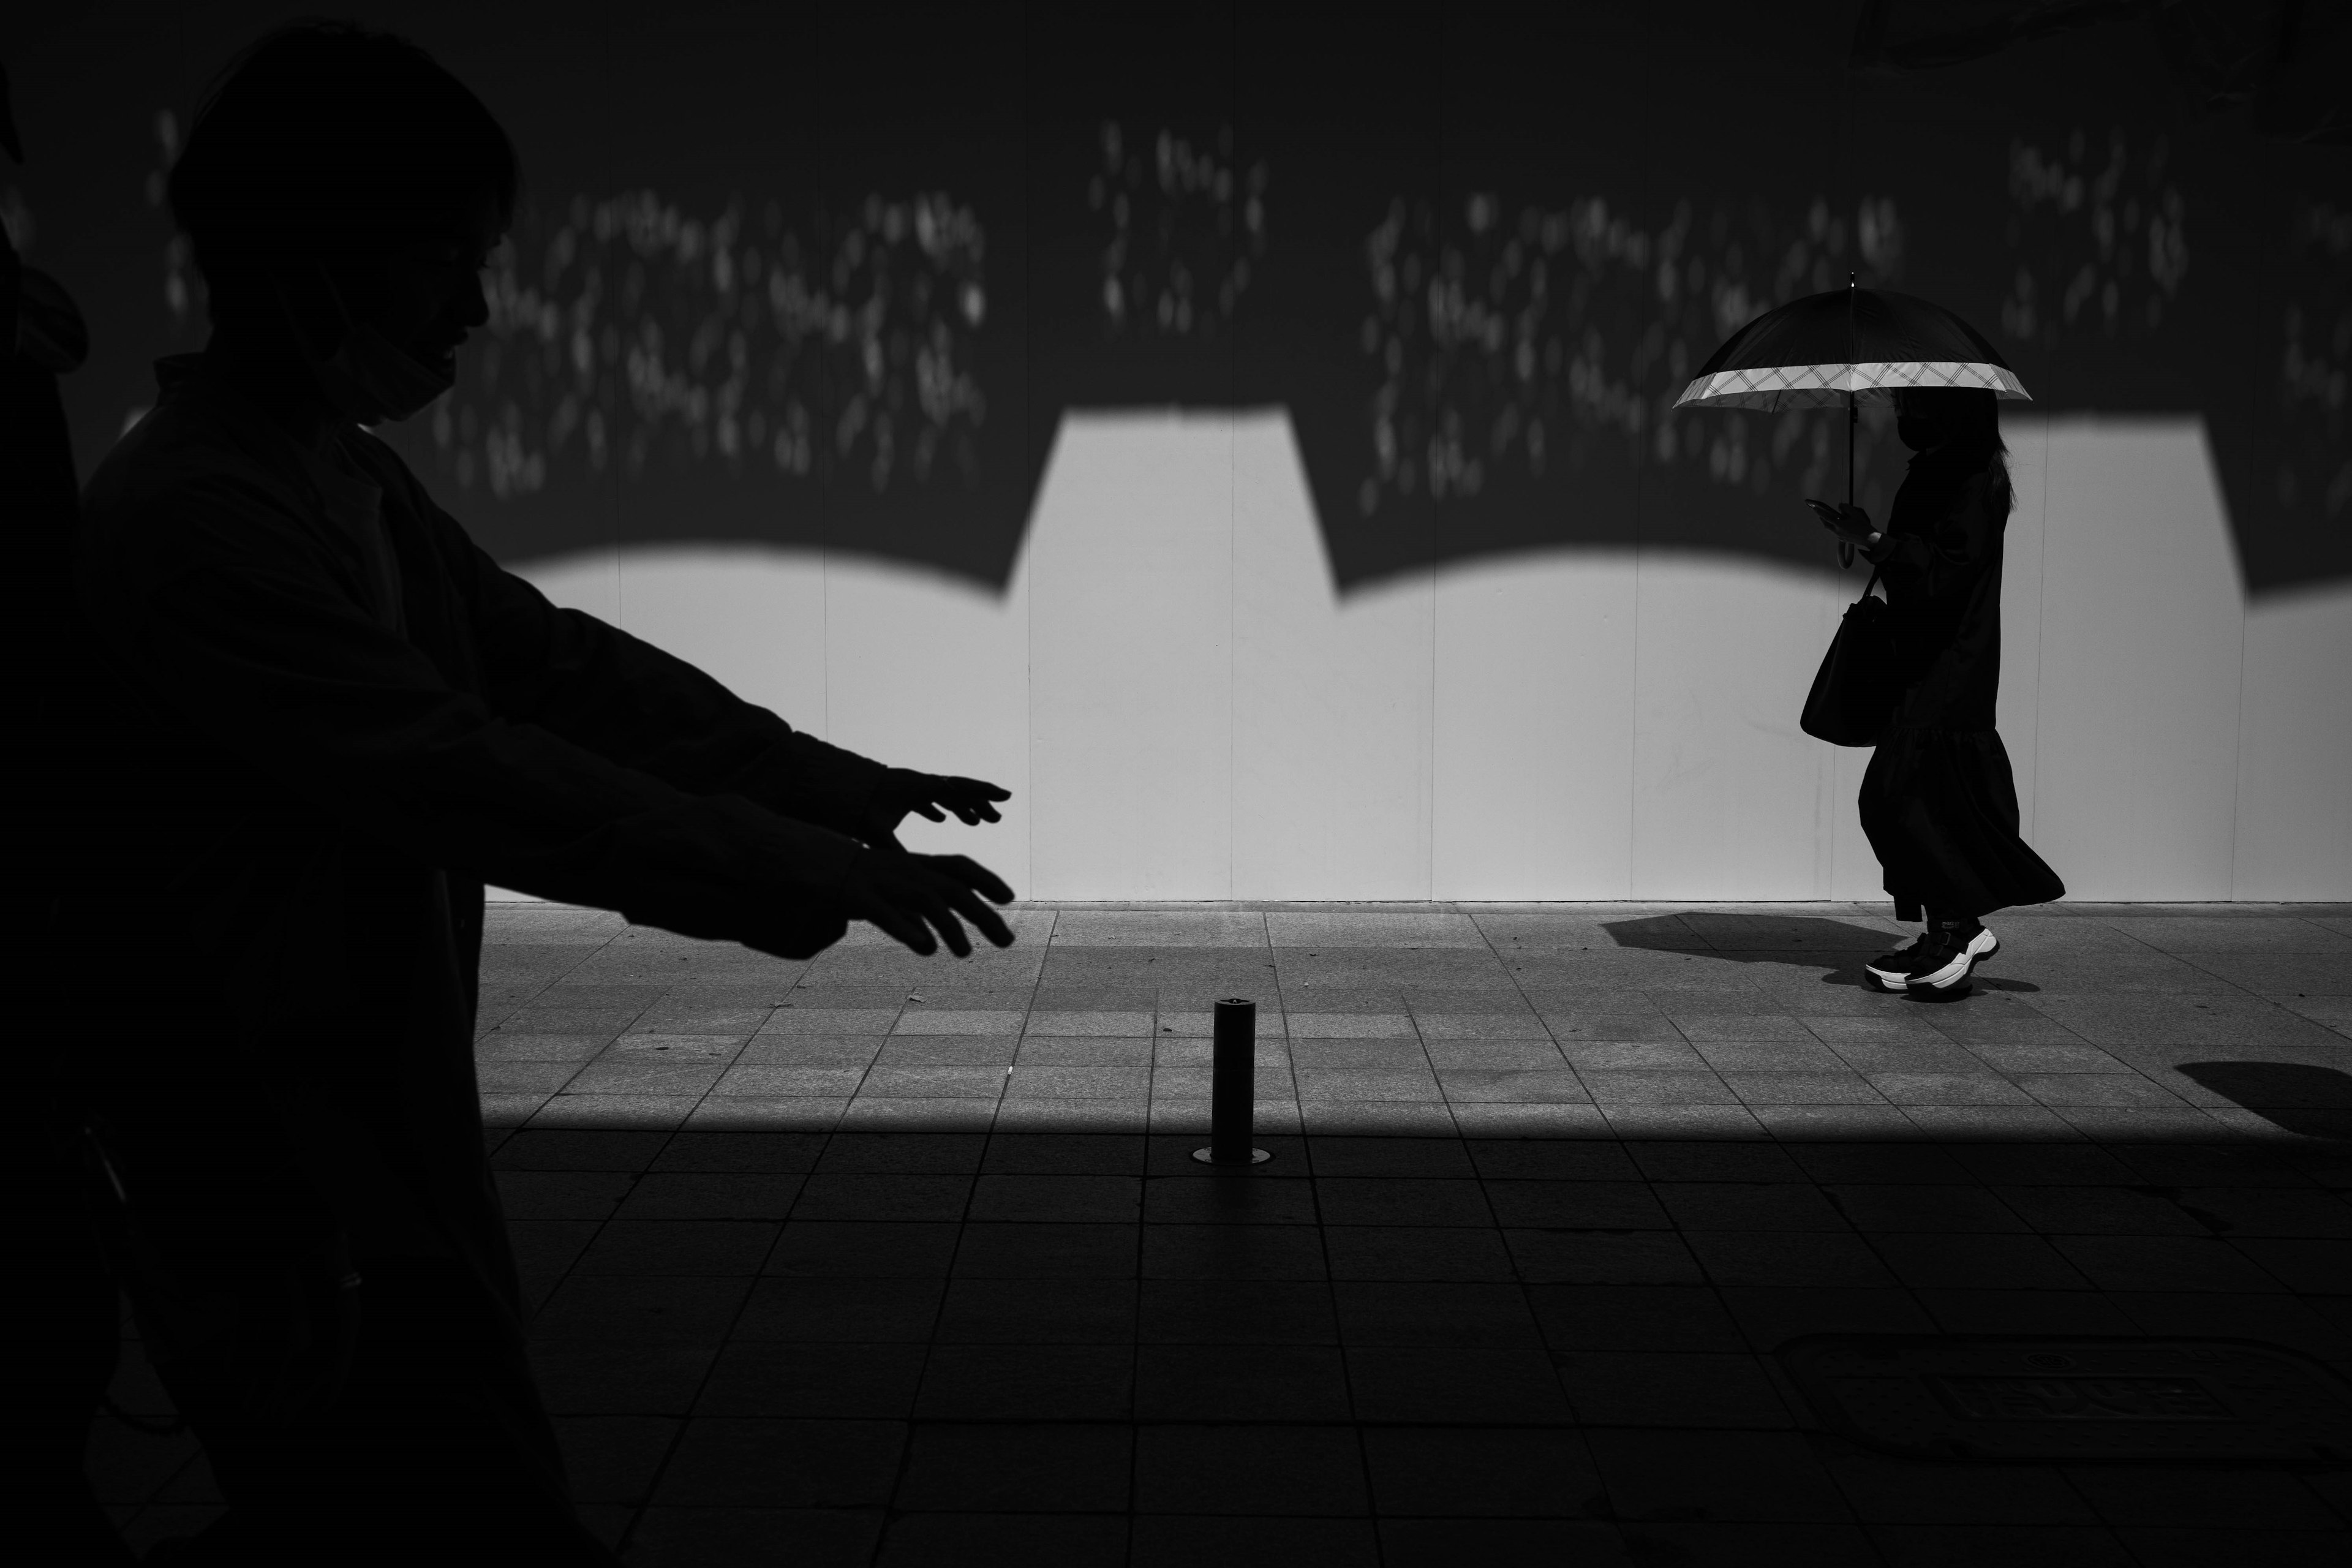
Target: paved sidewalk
{"x":879,"y":1259}
{"x":1519,"y":1020}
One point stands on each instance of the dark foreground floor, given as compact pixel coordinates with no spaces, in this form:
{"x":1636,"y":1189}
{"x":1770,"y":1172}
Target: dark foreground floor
{"x":781,"y":1330}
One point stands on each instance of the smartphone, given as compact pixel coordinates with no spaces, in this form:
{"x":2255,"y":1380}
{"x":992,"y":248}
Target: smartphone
{"x":1823,"y":507}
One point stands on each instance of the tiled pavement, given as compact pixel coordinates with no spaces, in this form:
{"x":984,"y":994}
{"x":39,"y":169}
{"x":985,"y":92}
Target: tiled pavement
{"x":886,"y":1259}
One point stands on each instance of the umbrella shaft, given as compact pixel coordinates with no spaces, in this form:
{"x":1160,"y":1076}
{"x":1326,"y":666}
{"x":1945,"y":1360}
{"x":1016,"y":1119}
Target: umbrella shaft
{"x":1853,"y":417}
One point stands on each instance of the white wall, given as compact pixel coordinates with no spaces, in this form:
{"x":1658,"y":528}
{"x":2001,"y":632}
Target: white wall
{"x":1185,"y":710}
{"x":2142,"y":628}
{"x":2294,"y":838}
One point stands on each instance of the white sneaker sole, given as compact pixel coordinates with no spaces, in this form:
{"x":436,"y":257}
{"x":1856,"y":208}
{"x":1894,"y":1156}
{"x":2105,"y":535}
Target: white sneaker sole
{"x":1887,"y":979}
{"x":1982,"y":946}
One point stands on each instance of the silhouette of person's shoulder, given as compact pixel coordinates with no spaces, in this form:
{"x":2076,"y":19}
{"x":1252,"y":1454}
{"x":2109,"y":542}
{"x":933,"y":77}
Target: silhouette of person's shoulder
{"x":199,"y":469}
{"x":185,"y":436}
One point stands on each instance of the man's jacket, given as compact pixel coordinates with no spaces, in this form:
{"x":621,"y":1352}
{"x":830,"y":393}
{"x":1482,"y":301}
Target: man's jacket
{"x":330,"y":720}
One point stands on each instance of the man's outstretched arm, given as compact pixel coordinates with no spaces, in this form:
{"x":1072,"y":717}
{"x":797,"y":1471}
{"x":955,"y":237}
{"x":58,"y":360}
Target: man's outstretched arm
{"x":232,"y":616}
{"x":601,"y":688}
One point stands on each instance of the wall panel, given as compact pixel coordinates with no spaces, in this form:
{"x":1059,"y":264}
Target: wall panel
{"x":2142,"y":633}
{"x":1534,"y":705}
{"x":2294,"y":838}
{"x":1331,"y":700}
{"x":1129,"y":568}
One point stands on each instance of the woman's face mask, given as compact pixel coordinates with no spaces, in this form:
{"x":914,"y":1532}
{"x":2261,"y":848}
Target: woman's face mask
{"x":1916,"y":432}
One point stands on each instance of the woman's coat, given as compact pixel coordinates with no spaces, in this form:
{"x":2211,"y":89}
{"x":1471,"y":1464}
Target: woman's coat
{"x":1938,"y":800}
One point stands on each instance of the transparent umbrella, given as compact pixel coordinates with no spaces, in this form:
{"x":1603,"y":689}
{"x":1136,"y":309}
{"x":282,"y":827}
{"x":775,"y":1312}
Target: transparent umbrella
{"x":1851,"y":345}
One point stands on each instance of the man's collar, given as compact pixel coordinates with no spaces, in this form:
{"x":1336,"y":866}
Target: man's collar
{"x":346,"y":496}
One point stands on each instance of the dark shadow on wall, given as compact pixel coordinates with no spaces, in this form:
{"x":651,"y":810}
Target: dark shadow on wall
{"x":833,"y":276}
{"x":2314,"y":1101}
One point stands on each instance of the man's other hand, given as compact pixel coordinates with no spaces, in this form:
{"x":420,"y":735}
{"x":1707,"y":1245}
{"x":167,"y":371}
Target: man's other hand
{"x":930,"y":797}
{"x":912,"y":896}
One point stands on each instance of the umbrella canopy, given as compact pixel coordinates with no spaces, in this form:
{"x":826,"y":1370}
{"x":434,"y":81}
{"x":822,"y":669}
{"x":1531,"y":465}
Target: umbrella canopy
{"x":1848,"y":346}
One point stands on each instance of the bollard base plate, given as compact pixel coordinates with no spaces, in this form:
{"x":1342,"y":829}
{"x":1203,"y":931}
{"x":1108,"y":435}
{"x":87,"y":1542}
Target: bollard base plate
{"x":1209,"y":1157}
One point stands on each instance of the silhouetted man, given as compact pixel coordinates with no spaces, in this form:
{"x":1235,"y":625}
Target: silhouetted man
{"x":339,"y":717}
{"x":66,"y":1314}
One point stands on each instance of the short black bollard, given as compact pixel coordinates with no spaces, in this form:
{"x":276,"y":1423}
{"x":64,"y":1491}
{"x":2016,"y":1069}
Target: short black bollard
{"x":1233,"y":1088}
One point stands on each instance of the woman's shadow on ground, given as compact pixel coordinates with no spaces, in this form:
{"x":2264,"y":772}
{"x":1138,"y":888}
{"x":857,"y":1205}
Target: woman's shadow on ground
{"x":1843,"y":947}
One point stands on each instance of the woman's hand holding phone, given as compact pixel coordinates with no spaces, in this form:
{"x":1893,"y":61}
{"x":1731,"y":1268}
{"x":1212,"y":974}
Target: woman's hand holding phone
{"x":1848,"y":521}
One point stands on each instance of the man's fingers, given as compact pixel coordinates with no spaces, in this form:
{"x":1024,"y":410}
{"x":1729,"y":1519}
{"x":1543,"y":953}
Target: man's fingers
{"x":944,"y":920}
{"x":973,"y":874}
{"x":973,"y":794}
{"x":953,"y":896}
{"x":914,"y":934}
{"x":927,"y":812}
{"x":923,"y":901}
{"x":885,"y":913}
{"x":928,"y":902}
{"x":923,"y":897}
{"x":990,"y":925}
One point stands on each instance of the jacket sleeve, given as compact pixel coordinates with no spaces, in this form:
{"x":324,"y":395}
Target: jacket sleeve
{"x":1945,"y":558}
{"x":597,"y":687}
{"x":220,"y":603}
{"x":1937,"y":571}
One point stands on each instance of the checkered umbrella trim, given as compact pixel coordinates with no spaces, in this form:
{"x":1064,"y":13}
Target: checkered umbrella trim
{"x":1776,"y":386}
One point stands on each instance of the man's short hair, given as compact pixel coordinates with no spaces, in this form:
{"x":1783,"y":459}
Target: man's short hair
{"x":322,"y":134}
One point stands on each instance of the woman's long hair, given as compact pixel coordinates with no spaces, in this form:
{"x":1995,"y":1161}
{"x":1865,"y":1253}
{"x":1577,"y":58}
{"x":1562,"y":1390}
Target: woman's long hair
{"x":1969,"y":420}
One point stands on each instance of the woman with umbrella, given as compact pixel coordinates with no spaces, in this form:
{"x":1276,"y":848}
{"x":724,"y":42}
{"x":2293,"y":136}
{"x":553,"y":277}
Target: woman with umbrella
{"x":1938,"y":801}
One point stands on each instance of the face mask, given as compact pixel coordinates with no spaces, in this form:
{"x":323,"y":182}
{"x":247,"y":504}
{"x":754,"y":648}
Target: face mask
{"x":369,"y":377}
{"x":1917,"y":433}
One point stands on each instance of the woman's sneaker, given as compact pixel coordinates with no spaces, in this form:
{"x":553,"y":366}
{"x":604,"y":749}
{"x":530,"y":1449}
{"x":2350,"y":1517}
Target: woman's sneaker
{"x":1946,"y":955}
{"x":1892,"y":971}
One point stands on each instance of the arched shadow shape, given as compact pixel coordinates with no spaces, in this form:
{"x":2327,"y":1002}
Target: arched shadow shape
{"x":1758,"y":939}
{"x":2314,"y":1101}
{"x":1177,"y":220}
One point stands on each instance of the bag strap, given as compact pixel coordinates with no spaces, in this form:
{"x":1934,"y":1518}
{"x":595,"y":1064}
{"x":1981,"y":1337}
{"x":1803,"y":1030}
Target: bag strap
{"x":1866,"y":587}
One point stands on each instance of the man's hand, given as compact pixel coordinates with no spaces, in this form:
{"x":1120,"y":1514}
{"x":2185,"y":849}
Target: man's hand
{"x":903,"y":790}
{"x":911,"y":896}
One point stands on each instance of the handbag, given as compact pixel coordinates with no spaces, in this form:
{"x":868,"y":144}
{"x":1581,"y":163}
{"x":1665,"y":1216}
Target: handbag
{"x":1859,"y":683}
